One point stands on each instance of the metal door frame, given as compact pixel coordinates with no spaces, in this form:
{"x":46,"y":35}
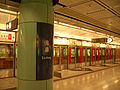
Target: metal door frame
{"x":88,"y":63}
{"x":58,"y":66}
{"x":80,"y":64}
{"x":14,"y":61}
{"x":67,"y":57}
{"x":94,"y":57}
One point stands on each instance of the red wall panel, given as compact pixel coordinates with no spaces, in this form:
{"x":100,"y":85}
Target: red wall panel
{"x":69,"y":55}
{"x":105,"y":54}
{"x":80,"y":54}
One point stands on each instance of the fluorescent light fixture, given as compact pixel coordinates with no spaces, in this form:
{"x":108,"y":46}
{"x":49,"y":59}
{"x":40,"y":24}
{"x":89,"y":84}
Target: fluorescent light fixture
{"x":105,"y":86}
{"x":69,"y":25}
{"x":87,"y":30}
{"x":116,"y":43}
{"x":15,"y":30}
{"x":8,"y":11}
{"x":55,"y":22}
{"x":62,"y":35}
{"x":88,"y":39}
{"x":116,"y":81}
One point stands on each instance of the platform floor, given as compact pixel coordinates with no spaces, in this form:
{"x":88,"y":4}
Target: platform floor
{"x":77,"y":72}
{"x":107,"y":79}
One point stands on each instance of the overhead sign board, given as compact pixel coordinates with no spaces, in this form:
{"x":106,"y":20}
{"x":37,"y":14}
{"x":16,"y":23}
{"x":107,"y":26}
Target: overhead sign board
{"x":102,"y":40}
{"x":6,"y":36}
{"x":12,"y":25}
{"x":99,"y":40}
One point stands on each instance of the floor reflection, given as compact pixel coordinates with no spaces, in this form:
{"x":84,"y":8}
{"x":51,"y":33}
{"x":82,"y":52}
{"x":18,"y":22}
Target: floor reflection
{"x":103,"y":80}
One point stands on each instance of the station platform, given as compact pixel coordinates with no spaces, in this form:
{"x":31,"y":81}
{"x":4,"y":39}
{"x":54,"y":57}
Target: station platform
{"x":64,"y":74}
{"x":11,"y":83}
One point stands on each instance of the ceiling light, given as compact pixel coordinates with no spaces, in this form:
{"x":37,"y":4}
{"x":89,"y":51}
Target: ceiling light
{"x":55,"y":22}
{"x":8,"y":11}
{"x":87,"y":30}
{"x":105,"y":86}
{"x":88,"y":39}
{"x":116,"y":81}
{"x":69,"y":25}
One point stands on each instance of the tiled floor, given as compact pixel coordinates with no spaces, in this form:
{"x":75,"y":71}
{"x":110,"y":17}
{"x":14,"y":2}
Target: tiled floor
{"x":6,"y":73}
{"x":108,"y":79}
{"x":8,"y":83}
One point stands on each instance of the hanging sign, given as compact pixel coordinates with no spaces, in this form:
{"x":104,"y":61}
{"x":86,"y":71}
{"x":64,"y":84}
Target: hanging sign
{"x":99,"y":40}
{"x":6,"y":36}
{"x":12,"y":25}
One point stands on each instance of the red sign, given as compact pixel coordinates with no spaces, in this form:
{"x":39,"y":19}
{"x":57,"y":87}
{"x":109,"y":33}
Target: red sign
{"x":91,"y":54}
{"x":9,"y":36}
{"x":106,"y":54}
{"x":80,"y":54}
{"x":69,"y":55}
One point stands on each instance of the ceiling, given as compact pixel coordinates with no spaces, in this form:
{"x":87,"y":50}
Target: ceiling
{"x":69,"y":31}
{"x":101,"y":16}
{"x":4,"y":18}
{"x":98,"y":15}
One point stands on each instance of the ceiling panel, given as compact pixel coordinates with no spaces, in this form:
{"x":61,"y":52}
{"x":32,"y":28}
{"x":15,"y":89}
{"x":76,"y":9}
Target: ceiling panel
{"x":100,"y":14}
{"x":70,"y":2}
{"x":93,"y":13}
{"x":56,"y":7}
{"x":113,"y":21}
{"x":117,"y":9}
{"x":4,"y":18}
{"x":115,"y":4}
{"x":83,"y":25}
{"x":88,"y":7}
{"x":65,"y":30}
{"x":93,"y":10}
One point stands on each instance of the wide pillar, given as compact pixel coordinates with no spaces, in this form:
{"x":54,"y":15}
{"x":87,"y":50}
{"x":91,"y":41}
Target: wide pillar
{"x":35,"y":45}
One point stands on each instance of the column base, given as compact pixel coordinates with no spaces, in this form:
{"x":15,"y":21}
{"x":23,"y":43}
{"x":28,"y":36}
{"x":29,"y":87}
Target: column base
{"x":35,"y":85}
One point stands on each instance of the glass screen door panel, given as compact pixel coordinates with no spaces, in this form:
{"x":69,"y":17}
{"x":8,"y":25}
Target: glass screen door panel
{"x":103,"y":54}
{"x":77,"y":55}
{"x":73,"y":55}
{"x":100,"y":54}
{"x":88,"y":54}
{"x":56,"y":55}
{"x":64,"y":55}
{"x":108,"y":54}
{"x":84,"y":55}
{"x":6,"y":61}
{"x":94,"y":59}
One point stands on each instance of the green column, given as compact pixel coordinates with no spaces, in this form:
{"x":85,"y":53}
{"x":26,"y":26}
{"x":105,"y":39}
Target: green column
{"x":35,"y":57}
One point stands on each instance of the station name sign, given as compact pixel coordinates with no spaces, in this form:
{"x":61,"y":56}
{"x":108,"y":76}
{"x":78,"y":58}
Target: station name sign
{"x":6,"y":36}
{"x":102,"y":40}
{"x":99,"y":40}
